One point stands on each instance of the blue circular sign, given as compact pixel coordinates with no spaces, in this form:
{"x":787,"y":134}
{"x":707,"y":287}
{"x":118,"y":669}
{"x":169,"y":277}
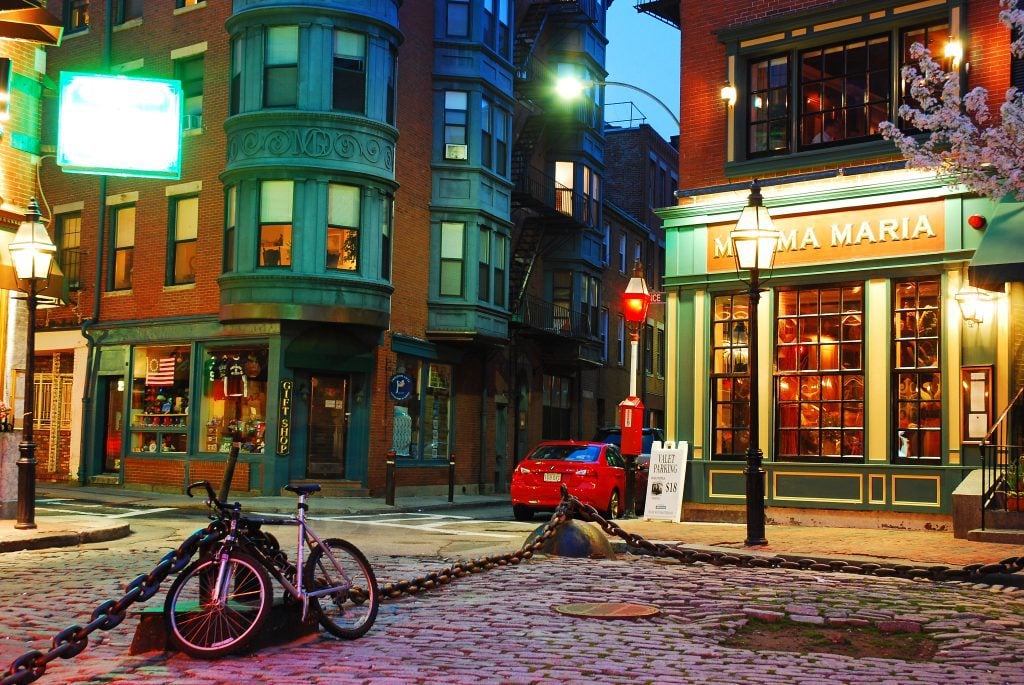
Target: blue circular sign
{"x":400,"y":386}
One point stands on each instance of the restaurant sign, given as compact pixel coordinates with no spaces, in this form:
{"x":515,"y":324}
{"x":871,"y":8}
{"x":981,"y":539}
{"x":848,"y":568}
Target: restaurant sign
{"x":862,"y":233}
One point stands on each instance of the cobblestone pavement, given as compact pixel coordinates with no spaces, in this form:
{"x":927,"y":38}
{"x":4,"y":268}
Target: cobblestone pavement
{"x":499,"y":626}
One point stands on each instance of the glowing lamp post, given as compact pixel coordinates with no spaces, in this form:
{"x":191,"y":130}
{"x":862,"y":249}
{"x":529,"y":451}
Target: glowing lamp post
{"x":754,"y":240}
{"x":635,"y":301}
{"x":32,"y":253}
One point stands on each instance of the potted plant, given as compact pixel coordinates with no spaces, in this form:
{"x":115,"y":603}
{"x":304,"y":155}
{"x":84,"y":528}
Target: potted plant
{"x":1014,"y":481}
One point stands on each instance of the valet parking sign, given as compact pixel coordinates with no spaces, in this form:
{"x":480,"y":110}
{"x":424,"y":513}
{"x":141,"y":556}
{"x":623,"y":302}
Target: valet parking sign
{"x":665,"y":478}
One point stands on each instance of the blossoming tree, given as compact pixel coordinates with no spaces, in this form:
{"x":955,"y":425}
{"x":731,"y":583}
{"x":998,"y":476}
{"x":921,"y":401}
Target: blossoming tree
{"x":964,"y":142}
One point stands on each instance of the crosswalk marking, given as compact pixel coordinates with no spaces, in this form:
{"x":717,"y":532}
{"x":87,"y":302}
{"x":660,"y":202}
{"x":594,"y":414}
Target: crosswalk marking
{"x":434,"y":523}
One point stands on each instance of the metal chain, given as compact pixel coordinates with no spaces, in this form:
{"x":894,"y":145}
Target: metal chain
{"x":70,"y":642}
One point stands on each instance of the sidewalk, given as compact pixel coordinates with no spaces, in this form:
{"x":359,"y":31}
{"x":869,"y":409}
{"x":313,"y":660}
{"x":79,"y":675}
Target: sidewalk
{"x":886,"y":546}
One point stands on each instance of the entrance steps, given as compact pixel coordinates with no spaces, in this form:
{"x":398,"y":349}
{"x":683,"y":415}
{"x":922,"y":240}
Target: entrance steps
{"x":334,"y":488}
{"x":1006,"y":536}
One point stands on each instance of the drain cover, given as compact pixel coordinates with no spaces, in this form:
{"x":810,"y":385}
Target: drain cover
{"x":608,"y":610}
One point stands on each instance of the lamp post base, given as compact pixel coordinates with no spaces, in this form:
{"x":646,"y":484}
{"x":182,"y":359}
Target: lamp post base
{"x":26,"y":487}
{"x":755,"y":499}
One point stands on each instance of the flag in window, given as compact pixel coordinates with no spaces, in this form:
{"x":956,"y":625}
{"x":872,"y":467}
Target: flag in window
{"x":160,"y":371}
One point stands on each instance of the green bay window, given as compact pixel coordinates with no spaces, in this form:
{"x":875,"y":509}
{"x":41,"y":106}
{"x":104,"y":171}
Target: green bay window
{"x":344,"y":211}
{"x":819,"y":374}
{"x":349,"y":87}
{"x":281,"y":67}
{"x":484,"y":276}
{"x":276,"y":223}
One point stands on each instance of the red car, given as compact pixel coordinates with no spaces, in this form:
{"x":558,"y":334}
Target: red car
{"x":594,"y":472}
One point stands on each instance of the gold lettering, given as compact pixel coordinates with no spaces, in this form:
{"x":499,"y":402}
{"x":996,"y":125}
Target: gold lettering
{"x":842,"y":236}
{"x":864,"y":234}
{"x":787,"y":241}
{"x":887,"y":229}
{"x":923,"y":226}
{"x":905,"y":232}
{"x":723,"y":248}
{"x":810,"y":239}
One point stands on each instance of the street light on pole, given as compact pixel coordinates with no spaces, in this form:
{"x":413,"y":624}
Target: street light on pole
{"x":754,"y":240}
{"x":635,"y":301}
{"x":570,"y":87}
{"x":32,"y":253}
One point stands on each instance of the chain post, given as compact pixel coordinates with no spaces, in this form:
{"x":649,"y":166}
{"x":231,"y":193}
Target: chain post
{"x":389,"y":478}
{"x":451,"y":477}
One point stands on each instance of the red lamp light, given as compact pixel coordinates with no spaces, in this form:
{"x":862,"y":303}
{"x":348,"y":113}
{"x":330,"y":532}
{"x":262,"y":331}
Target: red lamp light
{"x":976,"y":221}
{"x":637,"y":298}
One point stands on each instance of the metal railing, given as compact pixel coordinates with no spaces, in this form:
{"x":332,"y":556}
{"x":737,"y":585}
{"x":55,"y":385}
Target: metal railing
{"x":1002,"y":468}
{"x":548,"y":316}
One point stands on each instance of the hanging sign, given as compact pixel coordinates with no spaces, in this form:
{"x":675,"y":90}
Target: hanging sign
{"x":400,"y":387}
{"x":284,"y":417}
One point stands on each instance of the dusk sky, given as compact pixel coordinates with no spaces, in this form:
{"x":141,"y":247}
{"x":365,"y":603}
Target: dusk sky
{"x":644,"y":52}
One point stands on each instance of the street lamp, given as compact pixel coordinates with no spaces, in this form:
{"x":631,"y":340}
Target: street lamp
{"x":32,"y":252}
{"x":754,"y":240}
{"x":570,"y":87}
{"x":635,"y":301}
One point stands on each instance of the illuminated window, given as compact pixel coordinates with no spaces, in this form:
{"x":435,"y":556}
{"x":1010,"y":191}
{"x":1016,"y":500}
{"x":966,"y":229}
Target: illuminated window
{"x":730,"y":377}
{"x":69,"y":244}
{"x":76,"y":15}
{"x":276,"y":223}
{"x":344,"y":213}
{"x":917,"y":377}
{"x":184,"y":217}
{"x":123,"y":227}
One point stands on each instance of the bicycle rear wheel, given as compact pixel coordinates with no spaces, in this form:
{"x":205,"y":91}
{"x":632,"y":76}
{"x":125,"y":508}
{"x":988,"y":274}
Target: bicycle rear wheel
{"x":351,"y":609}
{"x":207,"y":624}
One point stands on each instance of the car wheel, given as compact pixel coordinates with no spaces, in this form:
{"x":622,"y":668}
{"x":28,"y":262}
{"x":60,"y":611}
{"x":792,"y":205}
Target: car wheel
{"x":522,"y":513}
{"x":613,"y":506}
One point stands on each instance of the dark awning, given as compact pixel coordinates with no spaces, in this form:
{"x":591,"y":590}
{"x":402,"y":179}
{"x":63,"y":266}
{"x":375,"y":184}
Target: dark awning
{"x":1000,"y":254}
{"x":26,"y":20}
{"x":328,"y":348}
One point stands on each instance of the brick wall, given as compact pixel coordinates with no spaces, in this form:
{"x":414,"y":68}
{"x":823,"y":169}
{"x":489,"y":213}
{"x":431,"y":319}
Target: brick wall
{"x":154,"y":472}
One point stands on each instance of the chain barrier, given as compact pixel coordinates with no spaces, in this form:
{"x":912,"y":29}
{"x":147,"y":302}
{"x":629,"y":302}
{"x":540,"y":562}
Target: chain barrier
{"x":70,"y":642}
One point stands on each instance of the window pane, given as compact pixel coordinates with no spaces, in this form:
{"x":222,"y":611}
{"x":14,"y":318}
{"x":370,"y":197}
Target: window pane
{"x":276,"y":201}
{"x":186,"y":217}
{"x":125,"y":217}
{"x":282,"y":45}
{"x":184,"y":262}
{"x":344,"y":207}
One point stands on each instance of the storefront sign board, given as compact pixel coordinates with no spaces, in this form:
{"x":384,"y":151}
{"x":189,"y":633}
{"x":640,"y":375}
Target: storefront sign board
{"x":665,"y":479}
{"x":284,"y":417}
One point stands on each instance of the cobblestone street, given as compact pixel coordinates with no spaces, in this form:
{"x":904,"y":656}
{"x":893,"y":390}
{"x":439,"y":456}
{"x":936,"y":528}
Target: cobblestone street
{"x":500,"y":626}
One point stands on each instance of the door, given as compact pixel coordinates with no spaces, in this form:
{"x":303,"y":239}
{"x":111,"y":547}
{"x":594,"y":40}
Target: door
{"x":328,"y":426}
{"x":500,"y":447}
{"x":113,"y":419}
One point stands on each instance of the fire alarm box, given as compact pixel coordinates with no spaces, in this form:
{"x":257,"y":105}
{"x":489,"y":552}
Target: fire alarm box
{"x":631,"y":419}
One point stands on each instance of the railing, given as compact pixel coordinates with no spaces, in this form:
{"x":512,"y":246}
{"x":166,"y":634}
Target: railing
{"x":1002,"y":468}
{"x":546,"y":191}
{"x":548,"y":316}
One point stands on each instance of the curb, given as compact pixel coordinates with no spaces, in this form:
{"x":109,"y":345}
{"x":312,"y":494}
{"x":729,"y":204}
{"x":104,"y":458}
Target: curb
{"x":66,"y":538}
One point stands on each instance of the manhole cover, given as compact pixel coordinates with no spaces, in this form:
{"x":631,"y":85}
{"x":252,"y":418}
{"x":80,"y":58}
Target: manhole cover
{"x":608,"y":610}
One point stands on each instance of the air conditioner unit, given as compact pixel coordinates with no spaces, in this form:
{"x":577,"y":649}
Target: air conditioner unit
{"x":456,"y":151}
{"x":192,"y":122}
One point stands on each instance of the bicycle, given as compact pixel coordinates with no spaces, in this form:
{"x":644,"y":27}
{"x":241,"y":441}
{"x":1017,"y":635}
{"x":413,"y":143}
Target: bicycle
{"x":218,"y":604}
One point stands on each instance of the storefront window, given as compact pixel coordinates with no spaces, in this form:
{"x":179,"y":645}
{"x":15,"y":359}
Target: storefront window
{"x":917,"y":382}
{"x":819,"y":374}
{"x":420,"y":428}
{"x":160,"y":399}
{"x":233,"y":404}
{"x":730,"y":379}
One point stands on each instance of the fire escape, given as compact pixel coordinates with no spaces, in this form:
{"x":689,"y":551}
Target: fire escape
{"x":547,"y":213}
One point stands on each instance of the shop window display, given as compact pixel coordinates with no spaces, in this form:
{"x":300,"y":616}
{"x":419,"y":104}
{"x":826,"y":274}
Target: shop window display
{"x":421,"y":419}
{"x":160,"y":399}
{"x":819,"y":374}
{"x":234,"y":399}
{"x":917,"y":381}
{"x":730,"y":377}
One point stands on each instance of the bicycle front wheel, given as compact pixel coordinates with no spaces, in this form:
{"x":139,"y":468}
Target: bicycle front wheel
{"x":350,"y":608}
{"x":208,"y":619}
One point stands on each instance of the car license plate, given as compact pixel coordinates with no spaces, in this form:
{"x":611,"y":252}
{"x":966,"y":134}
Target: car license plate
{"x":552,"y":478}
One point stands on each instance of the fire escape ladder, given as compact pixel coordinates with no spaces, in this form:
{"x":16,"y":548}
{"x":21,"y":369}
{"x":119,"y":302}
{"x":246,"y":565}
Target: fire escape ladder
{"x":525,"y":252}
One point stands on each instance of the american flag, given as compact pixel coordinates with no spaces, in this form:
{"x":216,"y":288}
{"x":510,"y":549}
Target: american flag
{"x":160,"y":371}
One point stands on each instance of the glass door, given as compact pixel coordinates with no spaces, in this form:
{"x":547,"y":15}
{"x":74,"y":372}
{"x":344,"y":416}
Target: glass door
{"x":328,"y":426}
{"x":114,"y":422}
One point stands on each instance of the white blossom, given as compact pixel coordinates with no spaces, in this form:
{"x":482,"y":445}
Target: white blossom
{"x":957,"y":136}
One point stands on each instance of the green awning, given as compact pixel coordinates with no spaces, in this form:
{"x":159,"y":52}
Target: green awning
{"x":331,"y":348}
{"x":1000,"y":254}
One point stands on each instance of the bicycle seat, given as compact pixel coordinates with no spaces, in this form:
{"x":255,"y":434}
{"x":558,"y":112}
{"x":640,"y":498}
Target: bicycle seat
{"x":303,"y":489}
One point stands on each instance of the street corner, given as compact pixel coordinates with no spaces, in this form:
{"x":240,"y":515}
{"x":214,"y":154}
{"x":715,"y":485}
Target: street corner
{"x":68,"y":533}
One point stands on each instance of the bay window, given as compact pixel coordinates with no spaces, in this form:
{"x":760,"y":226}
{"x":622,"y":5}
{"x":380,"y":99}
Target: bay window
{"x":275,"y":248}
{"x":343,"y":220}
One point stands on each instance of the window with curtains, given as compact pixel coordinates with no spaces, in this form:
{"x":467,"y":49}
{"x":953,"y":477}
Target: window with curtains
{"x":281,"y":67}
{"x":819,"y":374}
{"x":275,"y":248}
{"x":453,"y":238}
{"x":343,"y":219}
{"x":916,"y":374}
{"x":123,"y":254}
{"x":349,"y":87}
{"x":184,"y":231}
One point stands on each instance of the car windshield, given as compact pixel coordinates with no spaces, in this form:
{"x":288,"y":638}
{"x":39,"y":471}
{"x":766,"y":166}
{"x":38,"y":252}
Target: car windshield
{"x":587,"y":453}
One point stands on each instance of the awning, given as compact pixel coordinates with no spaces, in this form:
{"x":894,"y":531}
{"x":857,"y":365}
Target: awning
{"x":1000,"y":254}
{"x":26,"y":20}
{"x":55,"y":291}
{"x":330,"y":348}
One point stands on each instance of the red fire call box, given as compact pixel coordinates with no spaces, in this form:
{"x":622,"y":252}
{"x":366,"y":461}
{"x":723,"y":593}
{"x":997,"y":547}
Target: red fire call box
{"x":631,"y":418}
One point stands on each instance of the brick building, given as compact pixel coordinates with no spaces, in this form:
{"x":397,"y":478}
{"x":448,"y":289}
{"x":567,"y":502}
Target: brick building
{"x":875,"y":392}
{"x":386,"y":235}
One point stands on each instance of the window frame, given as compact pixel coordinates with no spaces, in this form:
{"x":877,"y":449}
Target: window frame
{"x":273,"y":97}
{"x":229,"y":255}
{"x":190,"y":83}
{"x":127,"y":10}
{"x":276,"y":218}
{"x":458,"y":11}
{"x":452,"y":255}
{"x":729,"y":377}
{"x":349,"y":94}
{"x":178,"y":247}
{"x":76,"y":16}
{"x":455,"y":125}
{"x":69,"y":247}
{"x":122,"y":252}
{"x":348,"y":234}
{"x":917,"y":388}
